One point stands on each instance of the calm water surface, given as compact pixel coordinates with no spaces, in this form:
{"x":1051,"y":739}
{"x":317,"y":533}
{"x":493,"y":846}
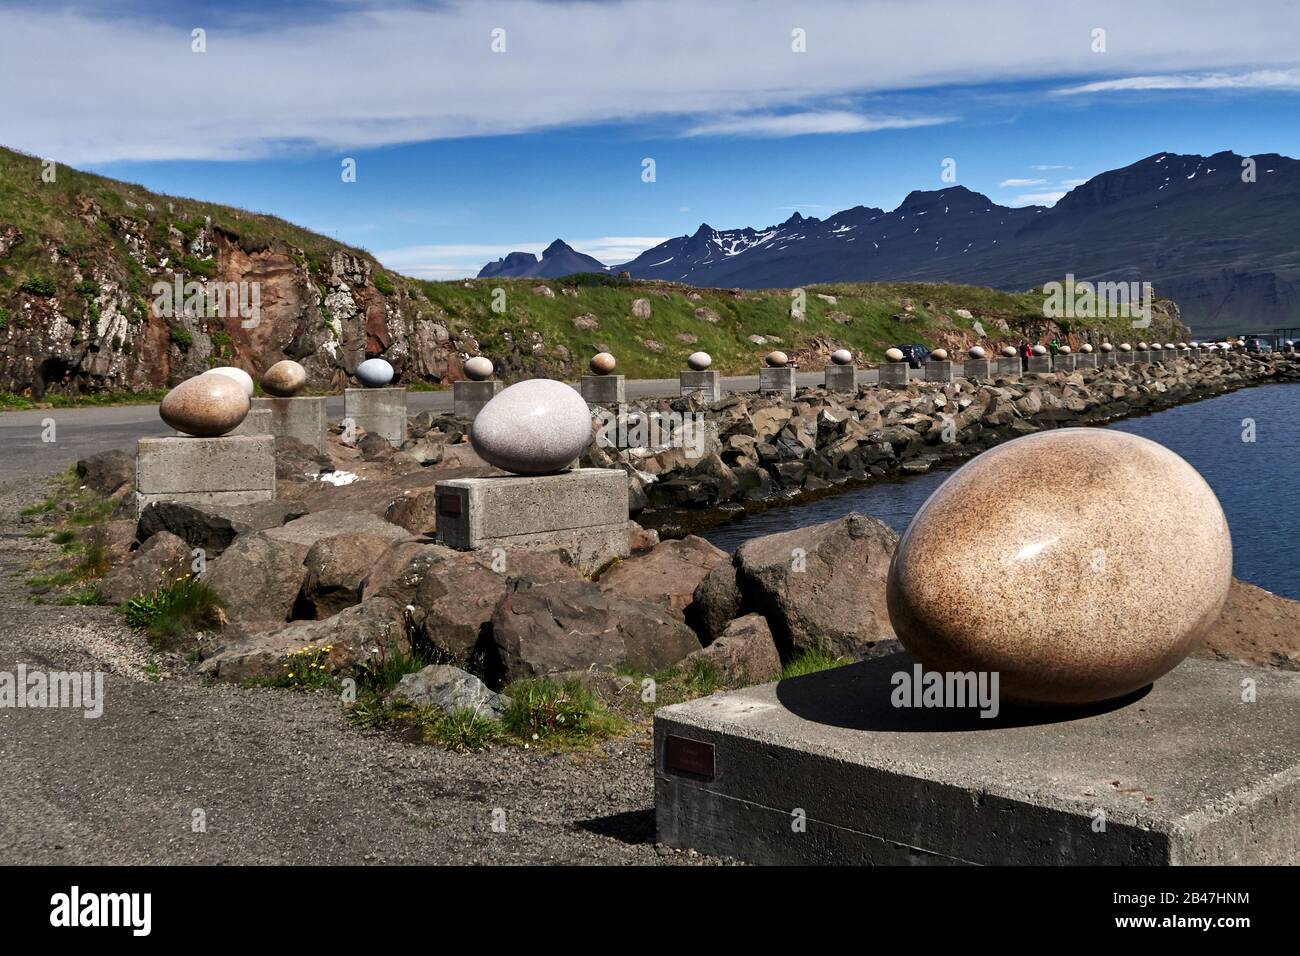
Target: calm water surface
{"x":1258,"y":482}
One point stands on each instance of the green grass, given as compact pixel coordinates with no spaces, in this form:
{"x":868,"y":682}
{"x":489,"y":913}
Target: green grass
{"x":546,"y":713}
{"x":174,"y":611}
{"x":810,"y":662}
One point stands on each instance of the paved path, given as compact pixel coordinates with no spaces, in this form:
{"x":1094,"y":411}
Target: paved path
{"x":79,"y":432}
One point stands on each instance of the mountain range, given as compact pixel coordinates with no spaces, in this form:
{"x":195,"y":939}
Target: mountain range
{"x":1220,"y":239}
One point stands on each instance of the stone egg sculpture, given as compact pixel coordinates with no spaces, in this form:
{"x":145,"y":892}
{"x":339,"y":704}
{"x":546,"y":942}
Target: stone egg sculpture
{"x":842,"y":357}
{"x":478,"y":369}
{"x":699,"y":361}
{"x":1040,"y":349}
{"x":284,"y":379}
{"x":602,"y":363}
{"x":1107,"y":347}
{"x":976,"y":352}
{"x":534,"y":427}
{"x":894,"y":355}
{"x":1027,"y":597}
{"x":777,"y":360}
{"x":1065,"y":350}
{"x":374,"y":373}
{"x":205,"y":406}
{"x":236,"y":374}
{"x":1125,"y":347}
{"x":1142,"y":347}
{"x":1009,"y":351}
{"x":1085,"y":348}
{"x":939,"y":355}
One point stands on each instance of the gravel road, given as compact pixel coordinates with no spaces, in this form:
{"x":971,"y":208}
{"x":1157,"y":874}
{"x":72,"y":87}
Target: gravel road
{"x":279,"y":776}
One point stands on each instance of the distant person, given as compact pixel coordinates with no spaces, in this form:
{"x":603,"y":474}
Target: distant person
{"x":1025,"y":352}
{"x":1055,"y":347}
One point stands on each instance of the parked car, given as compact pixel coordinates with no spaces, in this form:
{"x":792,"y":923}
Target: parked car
{"x":916,"y":355}
{"x":1256,"y":344}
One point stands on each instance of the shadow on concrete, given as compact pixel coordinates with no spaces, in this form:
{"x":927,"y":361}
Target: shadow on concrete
{"x":634,"y":827}
{"x":858,"y":697}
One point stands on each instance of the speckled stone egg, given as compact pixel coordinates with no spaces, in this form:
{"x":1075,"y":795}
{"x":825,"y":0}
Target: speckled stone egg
{"x":236,"y":374}
{"x":1125,"y":347}
{"x":699,"y":361}
{"x":1107,"y":347}
{"x":939,"y":355}
{"x":535,"y":427}
{"x":893,"y":355}
{"x":1009,"y":351}
{"x":284,"y":379}
{"x":1142,"y":347}
{"x":1101,"y":559}
{"x":1040,"y":349}
{"x":478,"y":368}
{"x":777,"y":360}
{"x":374,"y":373}
{"x":1064,"y":350}
{"x":602,"y":363}
{"x":842,"y":357}
{"x":206,"y":405}
{"x":1085,"y":348}
{"x":977,"y":352}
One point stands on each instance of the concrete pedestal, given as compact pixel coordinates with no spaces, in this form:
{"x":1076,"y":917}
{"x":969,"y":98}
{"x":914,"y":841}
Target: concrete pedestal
{"x":1108,"y":358}
{"x":1009,"y":366}
{"x":842,"y":378}
{"x":603,"y":389}
{"x":1157,"y":355}
{"x":1142,"y":358}
{"x":380,"y":411}
{"x":1187,"y":774}
{"x":230,"y":470}
{"x":256,"y":422}
{"x":938,"y":371}
{"x":976,"y":369}
{"x":776,"y":380}
{"x":1126,"y":358}
{"x":1064,"y":363}
{"x":893,"y":375}
{"x":468,"y":398}
{"x":1040,"y":364}
{"x":301,"y":417}
{"x":707,"y":383}
{"x":1085,"y":360}
{"x":584,"y":511}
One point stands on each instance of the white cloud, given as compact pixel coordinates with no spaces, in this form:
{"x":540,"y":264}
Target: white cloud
{"x":1073,"y":182}
{"x":463,"y":260}
{"x":1044,"y":168}
{"x":803,"y":124}
{"x":357,"y":76}
{"x":1006,"y":183}
{"x":1252,"y":80}
{"x":1036,"y":199}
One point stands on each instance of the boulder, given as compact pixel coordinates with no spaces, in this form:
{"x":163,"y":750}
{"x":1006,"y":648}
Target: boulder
{"x":258,"y":579}
{"x":212,"y":527}
{"x":160,"y":560}
{"x":539,"y":630}
{"x":337,"y":569}
{"x":107,"y":471}
{"x":374,"y":630}
{"x":821,"y":586}
{"x":449,"y":689}
{"x":297,"y":460}
{"x":715,"y":602}
{"x":415,"y":509}
{"x":744,"y":654}
{"x":641,"y":540}
{"x":452,"y":594}
{"x":374,"y":447}
{"x":668,"y":574}
{"x":115,"y":537}
{"x":1255,"y":627}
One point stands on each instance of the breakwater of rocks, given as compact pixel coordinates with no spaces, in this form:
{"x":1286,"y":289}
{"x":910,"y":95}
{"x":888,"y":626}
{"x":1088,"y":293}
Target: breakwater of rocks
{"x":708,"y":463}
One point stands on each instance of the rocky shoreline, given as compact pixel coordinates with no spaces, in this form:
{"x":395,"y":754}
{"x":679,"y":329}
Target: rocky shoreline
{"x":759,"y":451}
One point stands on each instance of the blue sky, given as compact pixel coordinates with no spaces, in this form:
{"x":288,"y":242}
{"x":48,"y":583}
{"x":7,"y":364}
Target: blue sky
{"x":464,"y":154}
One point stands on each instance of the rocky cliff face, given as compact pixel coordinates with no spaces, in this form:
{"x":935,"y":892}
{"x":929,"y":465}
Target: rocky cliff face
{"x":239,"y":303}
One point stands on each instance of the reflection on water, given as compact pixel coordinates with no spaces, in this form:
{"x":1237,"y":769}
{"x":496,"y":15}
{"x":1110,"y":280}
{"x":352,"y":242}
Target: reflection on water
{"x":1258,"y":482}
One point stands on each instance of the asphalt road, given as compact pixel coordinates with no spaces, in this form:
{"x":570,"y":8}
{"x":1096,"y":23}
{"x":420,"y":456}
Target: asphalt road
{"x":78,"y":432}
